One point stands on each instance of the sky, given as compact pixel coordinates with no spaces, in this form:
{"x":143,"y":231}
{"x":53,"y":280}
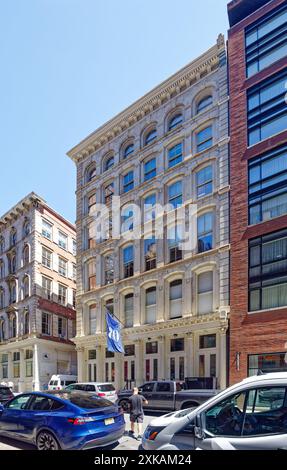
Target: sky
{"x":67,"y":66}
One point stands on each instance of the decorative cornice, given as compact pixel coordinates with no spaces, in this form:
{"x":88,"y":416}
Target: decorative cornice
{"x":177,"y":83}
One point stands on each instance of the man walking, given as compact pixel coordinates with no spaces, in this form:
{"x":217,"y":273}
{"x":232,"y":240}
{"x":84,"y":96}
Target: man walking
{"x":136,"y":412}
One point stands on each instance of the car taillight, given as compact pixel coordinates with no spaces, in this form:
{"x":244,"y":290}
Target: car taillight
{"x":80,"y":421}
{"x":100,"y":394}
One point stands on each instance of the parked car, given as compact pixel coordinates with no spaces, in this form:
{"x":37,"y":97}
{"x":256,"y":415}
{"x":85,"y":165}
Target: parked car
{"x":101,"y":389}
{"x":62,"y":420}
{"x":167,"y":395}
{"x":5,"y":394}
{"x":59,"y":381}
{"x":236,"y":419}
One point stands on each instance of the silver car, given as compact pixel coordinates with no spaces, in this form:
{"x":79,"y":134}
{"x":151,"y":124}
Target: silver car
{"x":101,"y":389}
{"x":251,"y":415}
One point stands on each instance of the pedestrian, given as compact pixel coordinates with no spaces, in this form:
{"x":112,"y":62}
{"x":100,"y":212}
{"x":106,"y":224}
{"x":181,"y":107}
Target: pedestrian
{"x":136,"y":412}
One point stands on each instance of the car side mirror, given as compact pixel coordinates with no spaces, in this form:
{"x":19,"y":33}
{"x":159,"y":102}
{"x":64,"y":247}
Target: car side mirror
{"x":198,"y":428}
{"x":140,"y":390}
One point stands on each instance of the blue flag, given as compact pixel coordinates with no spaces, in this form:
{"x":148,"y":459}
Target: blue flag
{"x":114,"y":340}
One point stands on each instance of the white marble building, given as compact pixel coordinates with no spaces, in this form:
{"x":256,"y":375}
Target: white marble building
{"x":171,"y":146}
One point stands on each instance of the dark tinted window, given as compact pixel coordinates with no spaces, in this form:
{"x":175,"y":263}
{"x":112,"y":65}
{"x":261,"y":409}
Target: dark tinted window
{"x":106,"y":388}
{"x":163,"y":387}
{"x":5,"y":391}
{"x":148,"y":387}
{"x":84,"y":400}
{"x":42,"y":403}
{"x":89,"y":388}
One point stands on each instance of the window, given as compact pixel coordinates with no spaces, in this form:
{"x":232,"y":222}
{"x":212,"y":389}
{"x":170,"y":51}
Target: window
{"x":62,"y":294}
{"x":12,"y":292}
{"x":177,"y":345}
{"x":26,"y":255}
{"x":205,"y":232}
{"x":205,"y":293}
{"x":266,"y":41}
{"x":91,"y":202}
{"x":204,"y":181}
{"x":26,"y":323}
{"x":19,"y":403}
{"x":129,"y":350}
{"x":149,"y":208}
{"x":127,"y":219}
{"x":207,"y":341}
{"x":2,"y":269}
{"x":26,"y":228}
{"x":109,"y":269}
{"x":74,"y":272}
{"x":175,"y":299}
{"x":226,"y":417}
{"x":150,"y":254}
{"x":151,"y":347}
{"x":109,"y":191}
{"x":150,"y":169}
{"x":74,"y":299}
{"x":13,"y":237}
{"x":128,"y":261}
{"x":174,"y":244}
{"x":150,"y":304}
{"x":175,"y":194}
{"x":204,"y":103}
{"x":91,"y":173}
{"x":267,"y":110}
{"x":129,"y":310}
{"x":150,"y":137}
{"x":29,"y":368}
{"x":175,"y":121}
{"x":62,"y":327}
{"x":47,"y":229}
{"x":2,"y":245}
{"x":26,"y":287}
{"x":92,"y":284}
{"x":62,"y":268}
{"x":74,"y":249}
{"x":2,"y":298}
{"x":92,"y":354}
{"x":12,"y":263}
{"x":46,"y":323}
{"x":268,"y":186}
{"x":265,"y":412}
{"x":267,"y":363}
{"x":109,"y":163}
{"x":63,"y":240}
{"x":47,"y":287}
{"x":129,"y":149}
{"x":204,"y":139}
{"x":268,"y":271}
{"x":128,"y":181}
{"x":175,"y":155}
{"x":92,"y":319}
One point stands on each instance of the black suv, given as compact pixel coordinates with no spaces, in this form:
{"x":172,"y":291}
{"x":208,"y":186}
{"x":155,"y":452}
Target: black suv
{"x":5,"y":394}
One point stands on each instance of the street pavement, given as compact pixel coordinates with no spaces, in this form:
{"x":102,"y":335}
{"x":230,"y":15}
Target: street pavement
{"x":125,"y":443}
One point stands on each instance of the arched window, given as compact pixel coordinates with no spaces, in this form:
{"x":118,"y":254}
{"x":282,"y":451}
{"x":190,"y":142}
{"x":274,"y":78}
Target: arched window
{"x":205,"y":293}
{"x":92,"y":319}
{"x":26,"y":255}
{"x":175,"y":299}
{"x":129,"y":310}
{"x":204,"y":103}
{"x":2,"y":329}
{"x":26,"y":228}
{"x":2,"y":245}
{"x":128,"y":150}
{"x":128,"y":261}
{"x":150,"y":137}
{"x":91,"y":268}
{"x":205,"y":232}
{"x":13,"y":237}
{"x":2,"y":298}
{"x":175,"y":121}
{"x":150,"y":304}
{"x":109,"y":162}
{"x":26,"y":323}
{"x":12,"y":291}
{"x":13,"y":326}
{"x":109,"y":269}
{"x":26,"y":287}
{"x":12,"y":263}
{"x":91,"y":173}
{"x":2,"y":269}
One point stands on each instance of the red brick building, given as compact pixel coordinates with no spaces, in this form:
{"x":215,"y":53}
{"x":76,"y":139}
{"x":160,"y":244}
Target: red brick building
{"x":257,"y":47}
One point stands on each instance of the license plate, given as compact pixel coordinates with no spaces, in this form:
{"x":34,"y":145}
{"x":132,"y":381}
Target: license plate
{"x":109,"y":421}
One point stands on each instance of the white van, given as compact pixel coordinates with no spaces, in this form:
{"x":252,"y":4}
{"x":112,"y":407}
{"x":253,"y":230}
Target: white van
{"x":58,"y":382}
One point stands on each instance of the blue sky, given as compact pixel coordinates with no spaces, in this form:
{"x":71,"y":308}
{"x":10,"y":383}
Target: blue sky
{"x":67,"y":66}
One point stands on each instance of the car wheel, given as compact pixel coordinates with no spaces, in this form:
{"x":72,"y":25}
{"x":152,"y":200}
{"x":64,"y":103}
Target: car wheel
{"x":125,"y":405}
{"x":46,"y":441}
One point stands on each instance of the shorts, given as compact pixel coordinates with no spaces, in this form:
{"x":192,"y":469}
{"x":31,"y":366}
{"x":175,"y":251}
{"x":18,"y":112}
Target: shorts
{"x":136,"y":418}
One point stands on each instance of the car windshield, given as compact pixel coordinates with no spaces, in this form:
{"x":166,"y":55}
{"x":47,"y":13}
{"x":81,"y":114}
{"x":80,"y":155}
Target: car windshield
{"x":84,"y":400}
{"x":106,"y":388}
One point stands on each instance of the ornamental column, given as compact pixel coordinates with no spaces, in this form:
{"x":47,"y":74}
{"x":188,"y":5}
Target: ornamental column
{"x":36,"y":370}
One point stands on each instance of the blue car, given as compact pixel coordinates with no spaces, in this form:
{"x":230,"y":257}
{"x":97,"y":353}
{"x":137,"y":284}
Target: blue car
{"x":62,"y":420}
